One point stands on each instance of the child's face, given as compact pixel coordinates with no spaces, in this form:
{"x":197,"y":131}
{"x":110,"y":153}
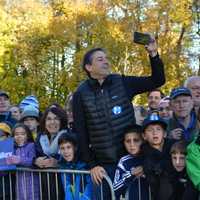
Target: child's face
{"x":178,"y":161}
{"x":132,"y":142}
{"x":154,"y":134}
{"x":31,"y":122}
{"x":67,"y":151}
{"x":20,"y":136}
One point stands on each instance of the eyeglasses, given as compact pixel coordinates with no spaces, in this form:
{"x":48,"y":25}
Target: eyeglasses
{"x":195,"y":88}
{"x":164,"y":108}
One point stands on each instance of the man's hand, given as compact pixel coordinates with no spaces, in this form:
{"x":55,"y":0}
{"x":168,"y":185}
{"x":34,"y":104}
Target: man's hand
{"x":97,"y":174}
{"x":152,"y":48}
{"x":176,"y":133}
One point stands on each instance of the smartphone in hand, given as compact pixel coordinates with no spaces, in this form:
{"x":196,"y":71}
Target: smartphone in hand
{"x":141,"y":38}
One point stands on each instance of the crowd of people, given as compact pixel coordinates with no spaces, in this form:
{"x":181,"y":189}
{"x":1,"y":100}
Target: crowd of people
{"x":100,"y":130}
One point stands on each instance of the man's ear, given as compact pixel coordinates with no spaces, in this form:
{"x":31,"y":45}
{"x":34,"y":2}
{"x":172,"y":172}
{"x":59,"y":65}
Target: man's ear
{"x":88,"y":67}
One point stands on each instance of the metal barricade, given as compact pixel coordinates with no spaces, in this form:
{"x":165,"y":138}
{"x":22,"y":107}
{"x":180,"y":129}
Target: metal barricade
{"x":43,"y":184}
{"x":126,"y":197}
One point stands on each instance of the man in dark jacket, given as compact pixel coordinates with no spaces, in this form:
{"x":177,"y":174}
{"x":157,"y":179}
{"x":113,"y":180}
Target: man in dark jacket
{"x":5,"y":114}
{"x":183,"y":124}
{"x":102,"y":108}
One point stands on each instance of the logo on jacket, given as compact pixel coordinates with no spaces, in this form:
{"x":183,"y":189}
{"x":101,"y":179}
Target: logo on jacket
{"x":117,"y":110}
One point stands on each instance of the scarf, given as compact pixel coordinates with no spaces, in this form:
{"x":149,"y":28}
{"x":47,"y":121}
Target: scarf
{"x":50,"y":148}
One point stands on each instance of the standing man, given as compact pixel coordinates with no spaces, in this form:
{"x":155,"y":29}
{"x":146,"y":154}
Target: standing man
{"x":5,"y":114}
{"x":183,"y":124}
{"x":102,"y":109}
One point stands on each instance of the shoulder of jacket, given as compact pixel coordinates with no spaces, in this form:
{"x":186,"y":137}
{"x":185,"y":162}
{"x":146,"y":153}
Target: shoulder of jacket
{"x":82,"y":86}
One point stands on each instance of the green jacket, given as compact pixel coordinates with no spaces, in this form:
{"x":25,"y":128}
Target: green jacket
{"x":193,"y":164}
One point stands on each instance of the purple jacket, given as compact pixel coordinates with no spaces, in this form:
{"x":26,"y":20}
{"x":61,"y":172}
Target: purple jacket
{"x":26,"y":186}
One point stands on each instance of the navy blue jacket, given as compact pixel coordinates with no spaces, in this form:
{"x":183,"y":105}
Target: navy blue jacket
{"x":124,"y":181}
{"x":77,"y":186}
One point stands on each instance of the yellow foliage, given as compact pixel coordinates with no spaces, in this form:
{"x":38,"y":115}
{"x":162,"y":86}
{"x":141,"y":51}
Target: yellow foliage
{"x":42,"y":45}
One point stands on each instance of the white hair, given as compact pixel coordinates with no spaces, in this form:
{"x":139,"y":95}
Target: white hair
{"x":190,"y":79}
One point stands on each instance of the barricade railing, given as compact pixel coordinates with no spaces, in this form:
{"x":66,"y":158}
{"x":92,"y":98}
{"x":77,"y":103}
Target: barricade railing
{"x":44,"y":184}
{"x":139,"y":197}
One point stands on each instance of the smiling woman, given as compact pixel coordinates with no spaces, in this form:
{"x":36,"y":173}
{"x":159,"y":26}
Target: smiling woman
{"x":53,"y":125}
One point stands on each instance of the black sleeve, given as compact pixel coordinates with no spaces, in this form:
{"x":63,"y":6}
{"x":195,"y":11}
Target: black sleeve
{"x":81,"y":130}
{"x":136,"y":85}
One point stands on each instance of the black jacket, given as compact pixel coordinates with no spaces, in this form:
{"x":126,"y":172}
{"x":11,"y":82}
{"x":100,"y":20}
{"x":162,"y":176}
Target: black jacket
{"x":156,"y":169}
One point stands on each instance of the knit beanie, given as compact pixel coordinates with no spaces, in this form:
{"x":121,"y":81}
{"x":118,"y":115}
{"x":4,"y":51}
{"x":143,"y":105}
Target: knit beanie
{"x":29,"y":100}
{"x":29,"y":111}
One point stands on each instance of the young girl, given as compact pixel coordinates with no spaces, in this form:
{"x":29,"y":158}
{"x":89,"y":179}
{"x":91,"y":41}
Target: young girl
{"x":26,"y":183}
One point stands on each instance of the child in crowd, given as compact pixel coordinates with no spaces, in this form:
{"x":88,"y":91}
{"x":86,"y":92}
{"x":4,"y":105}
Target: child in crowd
{"x":26,"y":184}
{"x":77,"y":187}
{"x":5,"y":132}
{"x":30,"y":117}
{"x":178,"y":173}
{"x":157,"y":157}
{"x":129,"y":176}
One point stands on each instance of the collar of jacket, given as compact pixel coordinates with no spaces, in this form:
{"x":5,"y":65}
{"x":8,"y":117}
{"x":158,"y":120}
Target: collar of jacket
{"x":94,"y":83}
{"x":21,"y":146}
{"x":71,"y":165}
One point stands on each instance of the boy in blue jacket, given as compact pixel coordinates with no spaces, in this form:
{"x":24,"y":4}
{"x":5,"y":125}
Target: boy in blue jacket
{"x":76,"y":186}
{"x":129,"y":176}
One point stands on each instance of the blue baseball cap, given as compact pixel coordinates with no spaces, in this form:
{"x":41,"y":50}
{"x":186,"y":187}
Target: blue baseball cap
{"x":3,"y":93}
{"x":154,"y":119}
{"x":180,"y":91}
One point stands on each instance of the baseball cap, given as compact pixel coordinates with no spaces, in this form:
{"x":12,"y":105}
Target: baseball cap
{"x":180,"y":91}
{"x":153,"y":119}
{"x":3,"y":93}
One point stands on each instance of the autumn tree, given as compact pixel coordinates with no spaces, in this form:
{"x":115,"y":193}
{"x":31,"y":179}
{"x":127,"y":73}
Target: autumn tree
{"x":43,"y":42}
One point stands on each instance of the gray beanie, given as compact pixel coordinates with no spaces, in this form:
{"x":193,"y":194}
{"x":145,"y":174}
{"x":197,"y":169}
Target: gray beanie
{"x":29,"y":111}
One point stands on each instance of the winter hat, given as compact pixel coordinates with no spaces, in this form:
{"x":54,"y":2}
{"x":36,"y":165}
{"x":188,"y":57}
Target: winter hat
{"x":29,"y":111}
{"x":29,"y":100}
{"x":5,"y":128}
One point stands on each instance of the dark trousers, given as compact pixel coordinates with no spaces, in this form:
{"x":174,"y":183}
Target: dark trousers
{"x":98,"y":191}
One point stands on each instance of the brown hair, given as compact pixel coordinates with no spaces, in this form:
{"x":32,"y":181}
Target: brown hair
{"x":59,"y":112}
{"x":178,"y":147}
